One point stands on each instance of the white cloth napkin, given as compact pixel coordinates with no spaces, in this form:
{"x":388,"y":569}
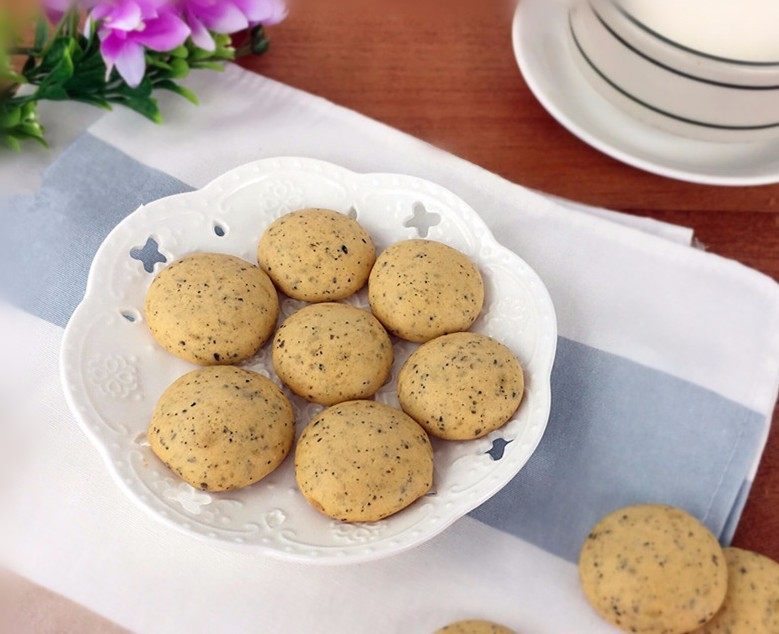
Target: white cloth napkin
{"x":658,"y":339}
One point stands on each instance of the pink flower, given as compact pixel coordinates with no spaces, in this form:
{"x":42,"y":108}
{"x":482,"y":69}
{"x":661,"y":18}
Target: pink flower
{"x":266,"y":12}
{"x":55,"y":9}
{"x":228,"y":16}
{"x":127,"y":27}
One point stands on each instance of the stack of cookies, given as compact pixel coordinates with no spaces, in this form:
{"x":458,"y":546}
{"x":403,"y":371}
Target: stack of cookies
{"x":656,"y":569}
{"x":223,"y":427}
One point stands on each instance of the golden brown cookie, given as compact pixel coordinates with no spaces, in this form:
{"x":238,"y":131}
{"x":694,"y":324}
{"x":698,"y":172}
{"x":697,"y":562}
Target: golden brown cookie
{"x":222,"y":427}
{"x":752,"y":602}
{"x":316,"y":255}
{"x":461,"y":386}
{"x":474,"y":627}
{"x":653,"y":569}
{"x":361,"y":461}
{"x":421,"y":289}
{"x":329,"y":353}
{"x":211,"y":308}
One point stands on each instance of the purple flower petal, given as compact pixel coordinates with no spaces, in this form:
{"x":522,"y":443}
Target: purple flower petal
{"x":53,"y":15}
{"x":131,"y":63}
{"x":111,"y":45}
{"x":221,"y":16}
{"x":126,"y":55}
{"x":200,"y":35}
{"x":124,"y":15}
{"x":55,"y":9}
{"x":163,"y":33}
{"x":263,"y":11}
{"x":100,"y":11}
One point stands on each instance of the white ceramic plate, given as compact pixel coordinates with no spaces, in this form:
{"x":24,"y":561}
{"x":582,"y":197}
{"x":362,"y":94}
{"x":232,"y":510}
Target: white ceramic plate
{"x":545,"y":55}
{"x":113,"y":372}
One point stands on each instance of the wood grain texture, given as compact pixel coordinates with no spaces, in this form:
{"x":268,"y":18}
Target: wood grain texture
{"x":443,"y":70}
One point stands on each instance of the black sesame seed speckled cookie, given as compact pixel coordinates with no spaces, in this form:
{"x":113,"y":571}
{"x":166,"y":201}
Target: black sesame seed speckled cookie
{"x":653,"y":569}
{"x":461,"y":386}
{"x":316,"y":255}
{"x":421,"y":289}
{"x":361,"y":461}
{"x":752,"y":602}
{"x":211,"y":308}
{"x":222,"y":427}
{"x":474,"y":626}
{"x":329,"y":353}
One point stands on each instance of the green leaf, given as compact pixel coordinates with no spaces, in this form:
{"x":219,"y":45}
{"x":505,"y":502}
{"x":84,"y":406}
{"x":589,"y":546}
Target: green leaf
{"x":146,"y":106}
{"x":29,"y":109}
{"x":180,"y":51}
{"x":41,"y":33}
{"x":62,"y":71}
{"x":51,"y":87}
{"x":155,"y":62}
{"x":123,"y":92}
{"x":217,"y":66}
{"x":259,"y":41}
{"x":179,"y":68}
{"x":12,"y":143}
{"x":223,"y":39}
{"x":198,"y":54}
{"x":167,"y":84}
{"x":52,"y":93}
{"x":28,"y":65}
{"x":29,"y":130}
{"x":88,"y":74}
{"x":72,"y":22}
{"x":11,"y":118}
{"x":89,"y":81}
{"x":9,"y":76}
{"x":57,"y":49}
{"x":76,"y":52}
{"x":93,"y":100}
{"x":41,"y":140}
{"x":227,"y":54}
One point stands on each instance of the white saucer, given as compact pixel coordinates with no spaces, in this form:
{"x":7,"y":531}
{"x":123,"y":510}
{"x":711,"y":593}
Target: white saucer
{"x":546,"y":59}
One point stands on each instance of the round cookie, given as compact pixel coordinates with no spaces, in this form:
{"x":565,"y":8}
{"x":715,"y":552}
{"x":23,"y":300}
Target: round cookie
{"x":653,"y":569}
{"x":329,"y":353}
{"x":211,"y":308}
{"x":361,"y":461}
{"x":421,"y":289}
{"x":461,"y":386}
{"x":222,"y":428}
{"x":474,"y":627}
{"x":316,"y":255}
{"x":752,"y":602}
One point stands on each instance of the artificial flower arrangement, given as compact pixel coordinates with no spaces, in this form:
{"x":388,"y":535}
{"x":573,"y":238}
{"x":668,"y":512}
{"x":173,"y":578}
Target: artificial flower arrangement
{"x":105,"y":52}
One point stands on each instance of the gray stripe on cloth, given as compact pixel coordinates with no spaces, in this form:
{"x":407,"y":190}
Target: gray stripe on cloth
{"x":48,"y":240}
{"x":619,"y":432}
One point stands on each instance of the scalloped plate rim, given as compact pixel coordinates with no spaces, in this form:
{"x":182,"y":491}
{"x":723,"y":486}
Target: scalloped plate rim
{"x":83,"y":419}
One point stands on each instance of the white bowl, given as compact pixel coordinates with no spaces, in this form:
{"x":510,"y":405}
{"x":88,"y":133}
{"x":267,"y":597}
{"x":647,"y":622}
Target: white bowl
{"x":545,"y":54}
{"x":113,"y":372}
{"x":741,"y":32}
{"x":670,"y":87}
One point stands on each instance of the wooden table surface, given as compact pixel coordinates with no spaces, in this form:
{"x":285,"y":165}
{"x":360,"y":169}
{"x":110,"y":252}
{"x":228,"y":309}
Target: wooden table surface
{"x":443,"y":70}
